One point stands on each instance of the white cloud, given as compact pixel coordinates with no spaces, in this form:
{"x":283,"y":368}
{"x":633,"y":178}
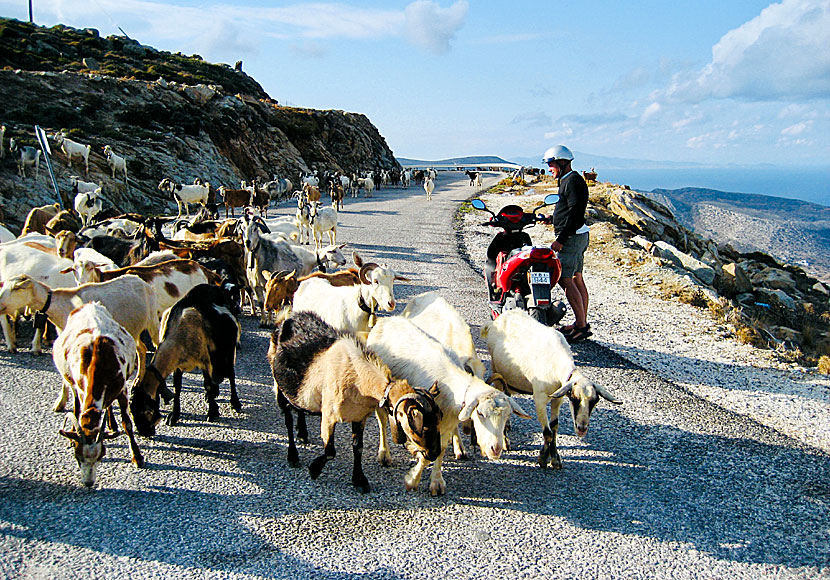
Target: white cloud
{"x":650,"y":112}
{"x":429,"y":26}
{"x":780,"y":54}
{"x":797,"y":129}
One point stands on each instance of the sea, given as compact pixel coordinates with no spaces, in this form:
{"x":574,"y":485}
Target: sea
{"x":806,"y":184}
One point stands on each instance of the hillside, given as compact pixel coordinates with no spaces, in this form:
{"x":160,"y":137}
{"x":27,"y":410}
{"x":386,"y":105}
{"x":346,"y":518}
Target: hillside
{"x":170,"y":115}
{"x":794,"y":231}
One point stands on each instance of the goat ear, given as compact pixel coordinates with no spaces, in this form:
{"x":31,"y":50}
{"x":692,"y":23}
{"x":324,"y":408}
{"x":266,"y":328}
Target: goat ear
{"x":602,"y":392}
{"x":563,"y":390}
{"x":358,"y":261}
{"x":71,"y":435}
{"x":517,"y":409}
{"x":434,"y":391}
{"x":497,"y":382}
{"x":66,"y":270}
{"x":467,"y":410}
{"x":268,"y":275}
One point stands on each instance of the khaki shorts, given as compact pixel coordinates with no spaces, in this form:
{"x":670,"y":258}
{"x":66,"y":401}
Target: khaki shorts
{"x":572,"y":254}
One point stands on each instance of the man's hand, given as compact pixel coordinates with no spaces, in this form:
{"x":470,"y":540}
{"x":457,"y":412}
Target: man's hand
{"x":555,"y":246}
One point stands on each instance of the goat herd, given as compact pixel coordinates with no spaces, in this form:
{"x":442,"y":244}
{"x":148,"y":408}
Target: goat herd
{"x":110,"y":285}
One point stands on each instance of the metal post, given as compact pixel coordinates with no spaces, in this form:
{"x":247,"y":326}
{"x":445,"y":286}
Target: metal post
{"x":31,"y":20}
{"x":44,"y":146}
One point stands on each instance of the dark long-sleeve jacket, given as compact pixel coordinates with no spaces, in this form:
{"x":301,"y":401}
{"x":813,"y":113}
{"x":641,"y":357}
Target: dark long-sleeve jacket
{"x":569,"y":212}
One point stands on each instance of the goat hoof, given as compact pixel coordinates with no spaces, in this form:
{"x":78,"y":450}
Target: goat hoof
{"x":315,"y":468}
{"x":362,"y":485}
{"x":172,"y":419}
{"x":236,"y":406}
{"x":138,"y":461}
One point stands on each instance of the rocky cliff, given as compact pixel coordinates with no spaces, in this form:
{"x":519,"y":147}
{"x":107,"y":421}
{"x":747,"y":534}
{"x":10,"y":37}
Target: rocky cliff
{"x":169,"y":115}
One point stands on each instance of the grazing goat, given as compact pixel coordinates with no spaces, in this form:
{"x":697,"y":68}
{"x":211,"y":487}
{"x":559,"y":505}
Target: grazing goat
{"x":199,"y":331}
{"x":413,"y":355}
{"x":72,"y":149}
{"x":429,"y":187}
{"x":115,"y":162}
{"x":130,"y":300}
{"x":350,"y":308}
{"x":185,"y":194}
{"x":28,"y":156}
{"x":319,"y":370}
{"x":88,"y":205}
{"x":95,"y":357}
{"x":323,"y":219}
{"x":529,"y":357}
{"x":435,"y":316}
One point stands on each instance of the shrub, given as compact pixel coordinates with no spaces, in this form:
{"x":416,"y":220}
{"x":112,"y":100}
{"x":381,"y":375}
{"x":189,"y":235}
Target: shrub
{"x":824,"y":364}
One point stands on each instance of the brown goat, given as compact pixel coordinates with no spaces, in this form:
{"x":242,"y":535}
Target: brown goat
{"x":279,"y":291}
{"x":38,"y":218}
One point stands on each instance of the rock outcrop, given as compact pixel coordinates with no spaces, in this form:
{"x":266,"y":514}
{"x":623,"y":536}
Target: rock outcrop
{"x":169,"y":115}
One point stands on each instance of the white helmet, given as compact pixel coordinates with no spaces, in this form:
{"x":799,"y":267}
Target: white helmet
{"x":558,"y":152}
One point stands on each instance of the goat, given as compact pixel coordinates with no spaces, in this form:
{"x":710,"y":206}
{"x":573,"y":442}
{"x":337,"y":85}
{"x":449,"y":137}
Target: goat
{"x":413,"y":355}
{"x":406,"y":178}
{"x":79,"y":186}
{"x":279,"y":291}
{"x":260,"y":199}
{"x":28,"y":156}
{"x":234,"y":198}
{"x":323,"y":219}
{"x":529,"y":357}
{"x":366,"y":183}
{"x":472,"y":175}
{"x":312,"y":192}
{"x":2,"y":141}
{"x":88,"y":205}
{"x":66,"y":220}
{"x":278,"y":188}
{"x":130,"y":300}
{"x":435,"y":316}
{"x":199,"y":331}
{"x":265,"y":253}
{"x":319,"y":370}
{"x":303,"y":220}
{"x":38,"y":217}
{"x":350,"y":308}
{"x":115,"y":162}
{"x":185,"y":194}
{"x":429,"y":187}
{"x":337,"y":194}
{"x":95,"y":357}
{"x":72,"y":149}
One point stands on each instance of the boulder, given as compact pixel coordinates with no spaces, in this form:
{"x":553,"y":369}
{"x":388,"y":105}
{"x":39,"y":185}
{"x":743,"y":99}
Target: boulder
{"x":199,"y":94}
{"x":735,"y":280}
{"x":765,"y":295}
{"x":702,"y":272}
{"x":644,"y":214}
{"x":774,"y":278}
{"x":91,"y":63}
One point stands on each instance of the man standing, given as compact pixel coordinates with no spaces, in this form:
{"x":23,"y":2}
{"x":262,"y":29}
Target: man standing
{"x":571,"y":237}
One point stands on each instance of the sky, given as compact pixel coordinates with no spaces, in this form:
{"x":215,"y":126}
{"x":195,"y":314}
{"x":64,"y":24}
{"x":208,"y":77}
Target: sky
{"x":714,"y":82}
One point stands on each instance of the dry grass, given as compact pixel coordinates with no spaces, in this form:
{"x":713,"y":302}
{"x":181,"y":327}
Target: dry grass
{"x":824,"y":364}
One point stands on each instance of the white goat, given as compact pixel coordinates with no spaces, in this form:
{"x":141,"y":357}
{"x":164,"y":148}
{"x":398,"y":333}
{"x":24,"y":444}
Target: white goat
{"x":429,"y":187}
{"x":529,"y":357}
{"x":303,"y":219}
{"x":96,"y":357}
{"x":328,"y":257}
{"x":72,"y":149}
{"x":28,"y":156}
{"x":185,"y":194}
{"x":79,"y":186}
{"x":116,"y":162}
{"x":2,"y":141}
{"x":413,"y":355}
{"x":88,"y":205}
{"x":323,"y":219}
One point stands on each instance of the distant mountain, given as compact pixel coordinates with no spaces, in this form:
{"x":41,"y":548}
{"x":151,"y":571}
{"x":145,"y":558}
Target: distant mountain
{"x":795,"y":231}
{"x":587,"y":160}
{"x":470,"y":160}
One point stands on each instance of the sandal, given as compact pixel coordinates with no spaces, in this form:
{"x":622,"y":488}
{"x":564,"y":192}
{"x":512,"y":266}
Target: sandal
{"x":570,"y":329}
{"x":579,"y":334}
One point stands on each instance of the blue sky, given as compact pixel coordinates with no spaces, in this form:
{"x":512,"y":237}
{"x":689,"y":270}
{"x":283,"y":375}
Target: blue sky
{"x":710,"y":81}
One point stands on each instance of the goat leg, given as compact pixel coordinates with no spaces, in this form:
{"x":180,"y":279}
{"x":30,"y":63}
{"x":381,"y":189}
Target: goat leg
{"x":359,"y":479}
{"x":211,"y":393}
{"x":235,"y":403}
{"x":174,"y":415}
{"x":293,"y":456}
{"x":302,"y":428}
{"x":113,"y":424}
{"x":327,"y":430}
{"x":127,"y":424}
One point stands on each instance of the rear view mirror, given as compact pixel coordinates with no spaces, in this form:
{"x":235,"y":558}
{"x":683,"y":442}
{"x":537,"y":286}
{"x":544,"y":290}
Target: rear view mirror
{"x":478,"y":204}
{"x":551,"y":198}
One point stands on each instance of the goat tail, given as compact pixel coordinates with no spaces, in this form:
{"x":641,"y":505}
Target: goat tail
{"x":485,"y":329}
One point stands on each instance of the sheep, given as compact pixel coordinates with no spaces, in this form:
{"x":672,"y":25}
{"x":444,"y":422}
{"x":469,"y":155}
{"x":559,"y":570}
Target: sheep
{"x":413,"y":355}
{"x":429,"y":187}
{"x":529,"y":357}
{"x":72,"y":149}
{"x":350,"y":308}
{"x":115,"y":162}
{"x":88,"y":205}
{"x":319,"y":370}
{"x":323,"y":219}
{"x":95,"y":357}
{"x":28,"y":156}
{"x":185,"y":194}
{"x":234,"y":198}
{"x":199,"y":331}
{"x":38,"y":217}
{"x":130,"y":300}
{"x":435,"y":316}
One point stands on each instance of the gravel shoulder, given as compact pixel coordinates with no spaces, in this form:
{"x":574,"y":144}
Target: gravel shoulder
{"x":681,"y":343}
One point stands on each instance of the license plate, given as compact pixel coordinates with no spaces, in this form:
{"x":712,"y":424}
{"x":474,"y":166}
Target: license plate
{"x":540,"y":278}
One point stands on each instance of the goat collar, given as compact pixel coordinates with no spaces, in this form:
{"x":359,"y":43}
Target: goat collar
{"x":48,"y":302}
{"x":364,"y":307}
{"x":384,"y":401}
{"x":416,"y":395}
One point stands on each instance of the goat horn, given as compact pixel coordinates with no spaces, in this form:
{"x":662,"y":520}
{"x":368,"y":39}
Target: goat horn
{"x":602,"y":392}
{"x":364,"y":272}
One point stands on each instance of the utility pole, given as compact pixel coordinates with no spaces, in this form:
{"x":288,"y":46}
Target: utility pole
{"x":31,"y":20}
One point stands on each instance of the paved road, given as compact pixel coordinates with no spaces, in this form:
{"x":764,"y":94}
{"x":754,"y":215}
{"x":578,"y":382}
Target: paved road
{"x":666,"y":485}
